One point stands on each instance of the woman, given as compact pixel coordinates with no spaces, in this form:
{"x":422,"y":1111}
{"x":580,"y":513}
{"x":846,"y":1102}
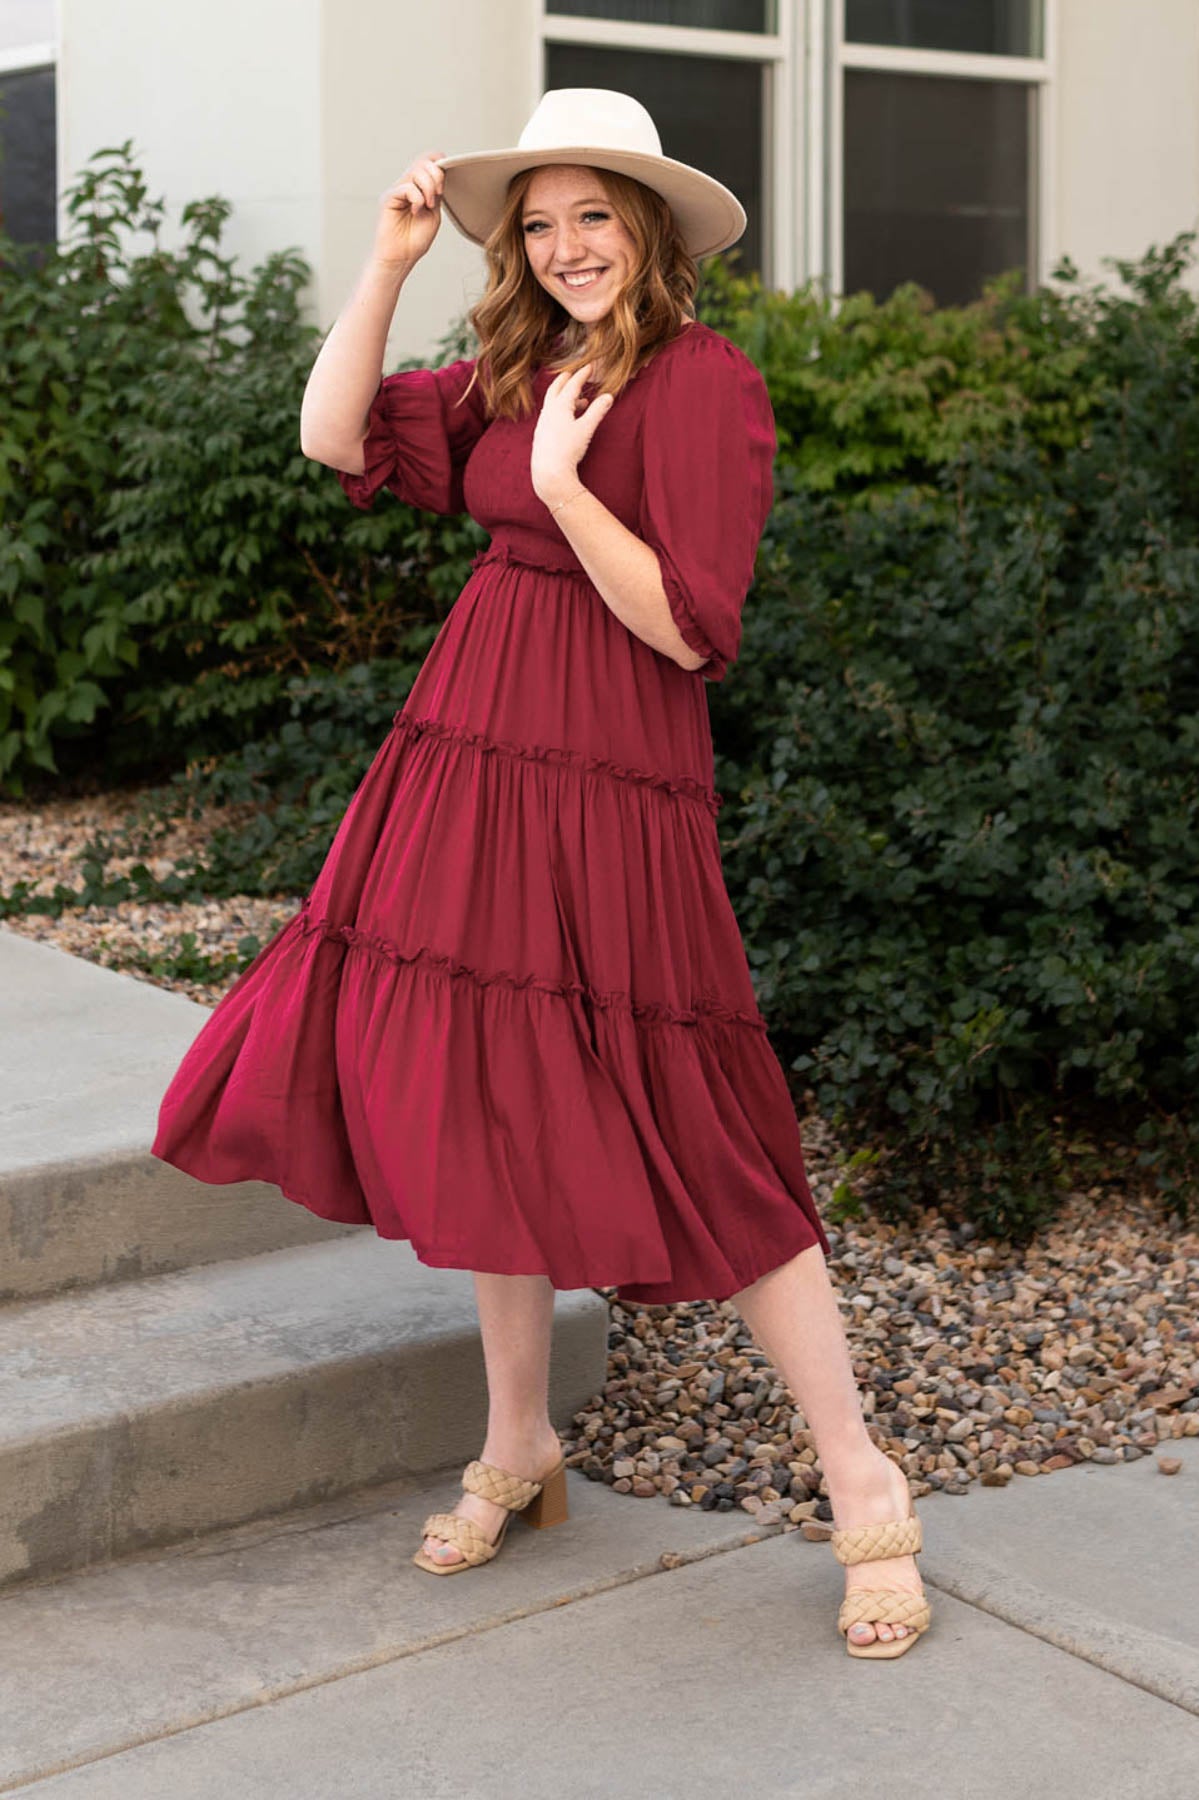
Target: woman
{"x":513,"y":1020}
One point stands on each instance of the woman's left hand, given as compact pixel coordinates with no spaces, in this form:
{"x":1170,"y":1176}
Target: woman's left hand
{"x":561,"y":439}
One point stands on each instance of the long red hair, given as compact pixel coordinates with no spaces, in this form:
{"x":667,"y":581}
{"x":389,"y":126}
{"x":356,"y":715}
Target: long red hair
{"x":520,"y":327}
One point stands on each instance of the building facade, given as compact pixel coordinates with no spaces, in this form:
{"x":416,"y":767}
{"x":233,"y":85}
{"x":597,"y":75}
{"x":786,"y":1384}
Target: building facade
{"x":871,"y":141}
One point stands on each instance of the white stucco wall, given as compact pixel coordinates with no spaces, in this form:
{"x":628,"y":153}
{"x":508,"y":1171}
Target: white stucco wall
{"x":301,"y":112}
{"x":218,"y":99}
{"x":1126,"y":128}
{"x":398,"y":79}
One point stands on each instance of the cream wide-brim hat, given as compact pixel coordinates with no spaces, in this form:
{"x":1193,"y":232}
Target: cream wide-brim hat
{"x":603,"y":129}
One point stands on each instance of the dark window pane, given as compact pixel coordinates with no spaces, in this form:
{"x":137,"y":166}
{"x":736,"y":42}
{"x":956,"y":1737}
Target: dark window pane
{"x":937,"y":181}
{"x":708,"y":15}
{"x":986,"y":27}
{"x":28,"y":182}
{"x":708,"y":111}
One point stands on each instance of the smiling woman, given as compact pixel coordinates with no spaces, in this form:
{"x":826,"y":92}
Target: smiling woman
{"x":607,"y":251}
{"x":513,"y":1021}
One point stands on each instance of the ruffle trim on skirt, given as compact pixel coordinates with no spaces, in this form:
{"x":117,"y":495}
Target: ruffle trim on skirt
{"x":683,"y":785}
{"x":495,"y":1126}
{"x":633,"y":1130}
{"x":645,"y":1014}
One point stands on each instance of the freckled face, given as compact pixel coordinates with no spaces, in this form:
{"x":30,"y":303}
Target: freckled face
{"x":571,"y":230}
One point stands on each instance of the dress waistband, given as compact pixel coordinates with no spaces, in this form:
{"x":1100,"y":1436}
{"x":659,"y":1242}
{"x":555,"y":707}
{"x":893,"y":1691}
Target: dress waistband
{"x":529,"y":559}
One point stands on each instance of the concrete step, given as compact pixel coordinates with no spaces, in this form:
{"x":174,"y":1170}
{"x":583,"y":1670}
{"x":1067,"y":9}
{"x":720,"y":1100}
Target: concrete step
{"x":148,"y":1412}
{"x":85,"y":1056}
{"x":114,"y":1217}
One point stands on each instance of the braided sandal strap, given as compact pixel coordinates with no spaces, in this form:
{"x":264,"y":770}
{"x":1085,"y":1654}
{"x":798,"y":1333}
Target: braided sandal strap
{"x":884,"y":1606}
{"x":512,"y":1491}
{"x":463,"y":1533}
{"x":871,"y":1543}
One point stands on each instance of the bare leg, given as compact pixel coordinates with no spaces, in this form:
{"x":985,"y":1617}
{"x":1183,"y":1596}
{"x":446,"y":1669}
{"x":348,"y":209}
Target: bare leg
{"x":793,"y":1313}
{"x":516,"y":1314}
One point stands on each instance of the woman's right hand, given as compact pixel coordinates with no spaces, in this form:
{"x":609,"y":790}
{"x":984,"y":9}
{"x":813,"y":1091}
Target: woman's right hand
{"x":410,"y":212}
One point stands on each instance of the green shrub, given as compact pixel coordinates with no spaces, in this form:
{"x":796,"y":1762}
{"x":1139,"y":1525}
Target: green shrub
{"x":958,"y":751}
{"x":169,"y":559}
{"x":871,"y":398}
{"x":962,"y":749}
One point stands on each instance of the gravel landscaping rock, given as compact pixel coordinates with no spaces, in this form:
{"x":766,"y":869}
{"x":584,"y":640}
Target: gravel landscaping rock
{"x":191,"y":947}
{"x":949,"y":1339}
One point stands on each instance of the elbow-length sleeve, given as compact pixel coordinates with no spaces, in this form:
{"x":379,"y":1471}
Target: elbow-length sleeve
{"x":420,"y":432}
{"x":709,"y":443}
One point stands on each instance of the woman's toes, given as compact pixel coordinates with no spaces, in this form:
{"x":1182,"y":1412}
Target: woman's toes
{"x":861,"y":1633}
{"x":440,"y":1551}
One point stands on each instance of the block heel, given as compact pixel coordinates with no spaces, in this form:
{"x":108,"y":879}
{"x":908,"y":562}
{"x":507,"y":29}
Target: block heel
{"x":550,"y":1506}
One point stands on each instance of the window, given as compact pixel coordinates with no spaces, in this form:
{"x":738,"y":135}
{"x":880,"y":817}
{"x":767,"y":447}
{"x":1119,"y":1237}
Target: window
{"x":28,"y":149}
{"x":871,"y":142}
{"x":937,"y":182}
{"x":976,"y":27}
{"x":939,"y":115}
{"x":703,"y":68}
{"x":707,"y":15}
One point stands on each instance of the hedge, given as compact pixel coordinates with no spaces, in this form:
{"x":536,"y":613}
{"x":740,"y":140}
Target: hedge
{"x":958,"y":752}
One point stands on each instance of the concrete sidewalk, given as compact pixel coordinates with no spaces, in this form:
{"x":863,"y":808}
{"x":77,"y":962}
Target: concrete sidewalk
{"x":303,"y":1658}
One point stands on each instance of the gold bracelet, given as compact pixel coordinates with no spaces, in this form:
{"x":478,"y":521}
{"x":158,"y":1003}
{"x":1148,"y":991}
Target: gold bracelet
{"x":567,"y":501}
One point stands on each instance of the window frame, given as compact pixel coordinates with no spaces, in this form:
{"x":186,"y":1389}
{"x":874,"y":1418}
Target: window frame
{"x":1037,"y":72}
{"x":28,"y":57}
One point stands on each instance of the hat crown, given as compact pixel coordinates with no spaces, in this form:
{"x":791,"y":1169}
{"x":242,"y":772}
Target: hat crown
{"x":595,"y":118}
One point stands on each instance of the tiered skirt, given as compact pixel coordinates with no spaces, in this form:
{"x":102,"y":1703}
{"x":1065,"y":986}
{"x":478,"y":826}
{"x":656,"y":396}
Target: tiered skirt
{"x":513,"y":1021}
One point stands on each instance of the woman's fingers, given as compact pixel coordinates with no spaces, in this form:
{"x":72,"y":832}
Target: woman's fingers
{"x":423,"y":182}
{"x":564,"y":379}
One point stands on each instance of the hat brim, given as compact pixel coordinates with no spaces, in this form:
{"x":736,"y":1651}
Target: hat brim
{"x":710,"y":217}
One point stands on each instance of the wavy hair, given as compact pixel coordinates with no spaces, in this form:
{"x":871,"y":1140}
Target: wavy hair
{"x":520,"y":326}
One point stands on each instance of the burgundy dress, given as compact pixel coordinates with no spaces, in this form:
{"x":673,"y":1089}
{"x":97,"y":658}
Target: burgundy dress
{"x":513,"y":1020}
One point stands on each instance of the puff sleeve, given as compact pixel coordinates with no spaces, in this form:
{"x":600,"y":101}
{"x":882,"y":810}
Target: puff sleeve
{"x":708,"y":443}
{"x":419,"y":437}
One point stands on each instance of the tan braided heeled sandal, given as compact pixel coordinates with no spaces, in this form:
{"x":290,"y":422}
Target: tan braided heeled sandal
{"x":887,"y":1606}
{"x":539,"y":1503}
